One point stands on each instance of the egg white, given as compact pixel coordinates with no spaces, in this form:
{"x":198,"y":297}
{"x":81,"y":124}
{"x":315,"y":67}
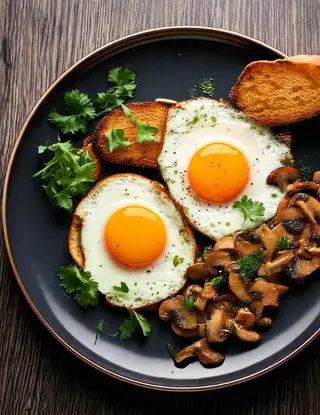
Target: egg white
{"x":195,"y":123}
{"x":155,"y":282}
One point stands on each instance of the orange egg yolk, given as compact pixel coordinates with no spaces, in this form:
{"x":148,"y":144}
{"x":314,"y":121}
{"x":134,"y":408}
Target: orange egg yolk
{"x":218,"y":172}
{"x":135,"y":236}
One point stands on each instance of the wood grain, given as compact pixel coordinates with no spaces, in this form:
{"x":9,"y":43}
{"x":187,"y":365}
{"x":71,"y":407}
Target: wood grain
{"x":39,"y":40}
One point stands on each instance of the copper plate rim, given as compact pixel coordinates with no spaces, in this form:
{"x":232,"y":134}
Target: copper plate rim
{"x":89,"y":60}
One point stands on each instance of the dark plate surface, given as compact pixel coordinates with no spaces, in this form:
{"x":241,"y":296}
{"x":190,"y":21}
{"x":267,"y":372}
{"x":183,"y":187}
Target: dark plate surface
{"x":168,"y":63}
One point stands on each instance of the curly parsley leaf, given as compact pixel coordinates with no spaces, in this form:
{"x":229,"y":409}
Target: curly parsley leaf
{"x":99,"y":330}
{"x":136,"y":322}
{"x":79,"y":283}
{"x":121,"y":76}
{"x":249,"y":264}
{"x":189,"y":302}
{"x":123,"y":288}
{"x":79,"y":110}
{"x":146,"y":133}
{"x":306,"y":172}
{"x":284,"y":243}
{"x":67,"y":175}
{"x":251,"y":210}
{"x":116,"y":139}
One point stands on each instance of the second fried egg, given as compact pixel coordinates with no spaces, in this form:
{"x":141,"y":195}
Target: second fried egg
{"x":212,"y":156}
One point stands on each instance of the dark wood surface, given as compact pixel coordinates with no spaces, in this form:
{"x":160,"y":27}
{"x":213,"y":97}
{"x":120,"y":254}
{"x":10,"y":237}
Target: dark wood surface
{"x":39,"y":40}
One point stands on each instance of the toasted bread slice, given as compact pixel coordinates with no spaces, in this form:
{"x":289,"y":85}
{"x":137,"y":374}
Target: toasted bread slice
{"x":279,"y":92}
{"x":142,"y":155}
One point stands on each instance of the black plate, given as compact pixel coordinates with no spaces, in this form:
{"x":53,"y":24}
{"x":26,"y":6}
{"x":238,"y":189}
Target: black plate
{"x":168,"y":62}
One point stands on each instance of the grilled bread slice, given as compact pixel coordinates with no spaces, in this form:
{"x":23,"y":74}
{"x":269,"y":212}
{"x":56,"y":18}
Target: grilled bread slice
{"x":279,"y":92}
{"x":137,"y":154}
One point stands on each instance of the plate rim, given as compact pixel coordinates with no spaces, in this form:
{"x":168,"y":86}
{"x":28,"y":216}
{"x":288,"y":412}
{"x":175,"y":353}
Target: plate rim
{"x":151,"y":34}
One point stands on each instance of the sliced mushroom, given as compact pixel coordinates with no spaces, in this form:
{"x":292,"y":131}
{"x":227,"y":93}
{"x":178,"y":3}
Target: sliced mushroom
{"x":269,"y":238}
{"x":257,"y":308}
{"x":245,"y":318}
{"x":311,"y":208}
{"x":184,"y":333}
{"x":225,"y":243}
{"x":279,"y":263}
{"x":209,"y":292}
{"x":184,"y":318}
{"x":246,"y":335}
{"x":300,"y":268}
{"x":199,"y":271}
{"x":202,"y":330}
{"x":230,"y":297}
{"x":216,"y":332}
{"x":238,"y":287}
{"x":200,"y":303}
{"x":217,"y":259}
{"x":316,"y":176}
{"x":304,"y":242}
{"x":294,"y":226}
{"x":270,"y":294}
{"x":283,"y":176}
{"x":196,"y":292}
{"x":244,"y":247}
{"x":286,"y":214}
{"x":167,"y":307}
{"x":264,"y":322}
{"x":202,"y":351}
{"x":299,"y":187}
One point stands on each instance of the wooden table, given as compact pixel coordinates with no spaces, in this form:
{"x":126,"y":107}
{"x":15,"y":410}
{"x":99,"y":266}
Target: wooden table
{"x":42,"y":38}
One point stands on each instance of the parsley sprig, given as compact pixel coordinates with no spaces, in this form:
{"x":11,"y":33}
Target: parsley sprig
{"x":124,"y":85}
{"x":146,"y":133}
{"x":78,"y":111}
{"x":135,"y":322}
{"x":219,"y":282}
{"x":80,"y":284}
{"x":253,"y":211}
{"x":67,"y":175}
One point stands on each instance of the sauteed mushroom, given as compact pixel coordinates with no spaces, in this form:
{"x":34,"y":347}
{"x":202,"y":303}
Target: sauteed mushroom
{"x":283,"y":176}
{"x":202,"y":351}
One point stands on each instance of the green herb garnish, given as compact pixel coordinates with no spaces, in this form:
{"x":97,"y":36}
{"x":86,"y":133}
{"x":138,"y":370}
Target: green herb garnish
{"x":306,"y":173}
{"x":136,"y":322}
{"x":219,"y":282}
{"x":124,"y":85}
{"x":146,"y":133}
{"x":248,"y":236}
{"x":189,"y":302}
{"x":79,"y":110}
{"x":123,"y":288}
{"x":284,"y":243}
{"x":177,"y":260}
{"x":99,"y":330}
{"x":69,"y":174}
{"x":207,"y":87}
{"x":116,"y":139}
{"x":249,"y":264}
{"x":251,"y":210}
{"x":79,"y":283}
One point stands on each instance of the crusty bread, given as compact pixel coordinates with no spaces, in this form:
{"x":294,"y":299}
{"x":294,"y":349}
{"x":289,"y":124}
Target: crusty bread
{"x":279,"y":92}
{"x":142,"y":155}
{"x":98,"y":165}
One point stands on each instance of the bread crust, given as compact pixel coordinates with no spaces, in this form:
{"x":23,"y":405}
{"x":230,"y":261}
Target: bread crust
{"x":279,"y":92}
{"x":137,"y":154}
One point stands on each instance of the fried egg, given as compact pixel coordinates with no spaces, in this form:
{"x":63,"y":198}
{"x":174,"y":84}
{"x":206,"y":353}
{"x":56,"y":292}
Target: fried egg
{"x":133,"y":235}
{"x":212,"y":156}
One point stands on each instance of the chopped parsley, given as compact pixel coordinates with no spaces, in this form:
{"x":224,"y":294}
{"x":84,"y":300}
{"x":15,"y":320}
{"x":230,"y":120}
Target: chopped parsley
{"x":79,"y":283}
{"x":189,"y":302}
{"x":219,"y":282}
{"x":123,"y":288}
{"x":207,"y":87}
{"x":116,"y":139}
{"x":99,"y":330}
{"x":284,"y":243}
{"x":177,"y":260}
{"x":306,"y":173}
{"x":248,"y":236}
{"x":249,"y":264}
{"x":253,"y":211}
